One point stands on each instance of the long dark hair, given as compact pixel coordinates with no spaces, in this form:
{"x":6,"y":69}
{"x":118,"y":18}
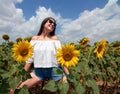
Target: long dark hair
{"x":42,"y":26}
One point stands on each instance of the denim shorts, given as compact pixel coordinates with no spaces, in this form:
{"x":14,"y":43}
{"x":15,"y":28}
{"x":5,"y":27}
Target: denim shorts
{"x":49,"y":73}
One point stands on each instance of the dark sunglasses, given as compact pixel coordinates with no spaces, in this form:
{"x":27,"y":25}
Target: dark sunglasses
{"x":50,"y":21}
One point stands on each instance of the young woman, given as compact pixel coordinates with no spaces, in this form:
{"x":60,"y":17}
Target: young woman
{"x":43,"y":59}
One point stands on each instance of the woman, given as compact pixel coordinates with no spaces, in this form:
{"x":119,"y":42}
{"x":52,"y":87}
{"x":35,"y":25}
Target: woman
{"x":43,"y":59}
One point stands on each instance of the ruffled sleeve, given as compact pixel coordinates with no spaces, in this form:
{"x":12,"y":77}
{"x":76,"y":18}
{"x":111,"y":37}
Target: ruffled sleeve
{"x":57,"y":44}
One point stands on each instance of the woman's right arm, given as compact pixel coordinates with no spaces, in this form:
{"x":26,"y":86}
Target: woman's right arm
{"x":27,"y":66}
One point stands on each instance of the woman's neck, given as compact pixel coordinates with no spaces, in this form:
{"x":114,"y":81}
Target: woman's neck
{"x":45,"y":36}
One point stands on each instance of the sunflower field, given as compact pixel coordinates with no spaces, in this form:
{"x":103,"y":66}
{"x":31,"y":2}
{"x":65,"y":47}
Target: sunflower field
{"x":94,"y":69}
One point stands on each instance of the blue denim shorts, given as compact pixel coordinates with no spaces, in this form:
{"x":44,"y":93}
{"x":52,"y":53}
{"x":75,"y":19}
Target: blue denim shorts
{"x":48,"y":73}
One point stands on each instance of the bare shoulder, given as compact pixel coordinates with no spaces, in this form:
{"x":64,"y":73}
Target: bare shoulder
{"x":34,"y":37}
{"x":55,"y":37}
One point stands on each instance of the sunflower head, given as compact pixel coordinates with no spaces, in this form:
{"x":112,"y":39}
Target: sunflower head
{"x":19,"y":39}
{"x":5,"y":37}
{"x":100,"y":48}
{"x":28,"y":38}
{"x":11,"y":43}
{"x":84,"y":41}
{"x":67,"y":55}
{"x":22,"y":51}
{"x":116,"y":44}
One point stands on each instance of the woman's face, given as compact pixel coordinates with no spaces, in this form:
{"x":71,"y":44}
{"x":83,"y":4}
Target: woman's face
{"x":50,"y":25}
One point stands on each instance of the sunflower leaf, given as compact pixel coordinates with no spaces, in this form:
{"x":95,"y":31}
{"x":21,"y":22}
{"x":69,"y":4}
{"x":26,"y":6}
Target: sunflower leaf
{"x":63,"y":87}
{"x":51,"y":86}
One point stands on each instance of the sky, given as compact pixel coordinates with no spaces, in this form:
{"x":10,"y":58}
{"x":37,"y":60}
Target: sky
{"x":76,"y":19}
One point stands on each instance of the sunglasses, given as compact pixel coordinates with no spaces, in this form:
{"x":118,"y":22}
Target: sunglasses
{"x":50,"y":21}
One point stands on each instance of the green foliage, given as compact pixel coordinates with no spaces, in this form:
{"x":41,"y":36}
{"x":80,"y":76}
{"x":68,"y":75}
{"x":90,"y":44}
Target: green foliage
{"x":51,"y":86}
{"x":83,"y":78}
{"x":63,"y":88}
{"x":23,"y":90}
{"x":4,"y":85}
{"x":11,"y":71}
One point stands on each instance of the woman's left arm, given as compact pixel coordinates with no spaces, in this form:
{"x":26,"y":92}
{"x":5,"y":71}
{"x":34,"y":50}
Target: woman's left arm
{"x":66,"y":70}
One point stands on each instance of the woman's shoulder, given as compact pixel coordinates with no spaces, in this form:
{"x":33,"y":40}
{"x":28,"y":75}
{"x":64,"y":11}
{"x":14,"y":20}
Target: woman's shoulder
{"x":36,"y":38}
{"x":54,"y":37}
{"x":40,"y":38}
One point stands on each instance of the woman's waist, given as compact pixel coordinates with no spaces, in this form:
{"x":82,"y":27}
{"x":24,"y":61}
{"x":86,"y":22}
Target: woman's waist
{"x":45,"y":65}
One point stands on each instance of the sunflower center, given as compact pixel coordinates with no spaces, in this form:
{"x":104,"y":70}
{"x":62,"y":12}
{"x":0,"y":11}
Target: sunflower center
{"x":85,"y":42}
{"x":100,"y":48}
{"x":68,"y":56}
{"x":24,"y":52}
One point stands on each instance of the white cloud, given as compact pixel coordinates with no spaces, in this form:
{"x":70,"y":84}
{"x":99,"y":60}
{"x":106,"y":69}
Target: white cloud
{"x":17,"y":1}
{"x":10,"y":17}
{"x":95,"y":24}
{"x":13,"y":23}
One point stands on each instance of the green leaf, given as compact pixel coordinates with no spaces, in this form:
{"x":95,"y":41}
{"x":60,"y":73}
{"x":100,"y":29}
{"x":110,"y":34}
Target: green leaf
{"x":25,"y":75}
{"x":58,"y":71}
{"x":92,"y":83}
{"x":63,"y":87}
{"x":4,"y":86}
{"x":51,"y":86}
{"x":13,"y":81}
{"x":80,"y":89}
{"x":24,"y":90}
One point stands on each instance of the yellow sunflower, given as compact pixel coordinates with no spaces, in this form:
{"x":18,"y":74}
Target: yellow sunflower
{"x":84,"y":41}
{"x":22,"y":51}
{"x":100,"y":49}
{"x":67,"y":56}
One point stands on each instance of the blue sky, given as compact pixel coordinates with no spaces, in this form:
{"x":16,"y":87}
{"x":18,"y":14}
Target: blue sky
{"x":76,"y":19}
{"x":67,"y":8}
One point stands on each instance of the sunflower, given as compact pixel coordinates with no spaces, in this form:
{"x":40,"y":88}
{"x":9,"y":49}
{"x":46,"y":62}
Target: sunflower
{"x":84,"y":41}
{"x":5,"y":37}
{"x":67,"y":56}
{"x":100,"y":48}
{"x":22,"y":51}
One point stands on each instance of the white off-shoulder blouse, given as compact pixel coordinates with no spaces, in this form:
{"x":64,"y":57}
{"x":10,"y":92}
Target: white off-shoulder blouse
{"x":44,"y":53}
